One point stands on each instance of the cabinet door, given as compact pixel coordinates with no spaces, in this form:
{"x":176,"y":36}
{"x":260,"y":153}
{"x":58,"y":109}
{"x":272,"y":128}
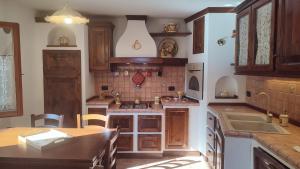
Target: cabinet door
{"x":262,"y":160}
{"x":198,"y":35}
{"x":288,"y":35}
{"x":176,"y":128}
{"x":243,"y":41}
{"x":220,"y":142}
{"x":149,"y":123}
{"x":149,"y":142}
{"x":124,"y":122}
{"x":263,"y":13}
{"x":125,"y":142}
{"x":100,"y":46}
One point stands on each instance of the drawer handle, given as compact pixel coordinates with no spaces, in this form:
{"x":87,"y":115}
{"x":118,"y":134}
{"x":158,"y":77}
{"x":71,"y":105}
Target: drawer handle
{"x":269,"y":166}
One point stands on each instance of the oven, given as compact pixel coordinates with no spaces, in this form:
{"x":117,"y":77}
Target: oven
{"x":194,"y":80}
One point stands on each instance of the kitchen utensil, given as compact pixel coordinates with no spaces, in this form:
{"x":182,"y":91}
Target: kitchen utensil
{"x":168,"y":48}
{"x":138,"y":79}
{"x":156,"y":100}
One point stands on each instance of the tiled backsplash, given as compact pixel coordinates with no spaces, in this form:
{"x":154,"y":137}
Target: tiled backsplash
{"x":152,"y":86}
{"x":284,"y":92}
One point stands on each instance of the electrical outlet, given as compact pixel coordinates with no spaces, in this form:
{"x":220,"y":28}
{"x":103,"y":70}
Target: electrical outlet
{"x":248,"y":93}
{"x":171,"y":88}
{"x":292,"y":88}
{"x":104,"y":88}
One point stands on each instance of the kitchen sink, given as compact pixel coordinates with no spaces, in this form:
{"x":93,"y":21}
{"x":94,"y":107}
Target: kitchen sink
{"x":246,"y":117}
{"x":252,"y":123}
{"x":257,"y":127}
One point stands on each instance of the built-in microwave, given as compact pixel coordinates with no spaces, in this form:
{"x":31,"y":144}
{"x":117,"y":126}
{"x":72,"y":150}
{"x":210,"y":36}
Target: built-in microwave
{"x":194,"y":80}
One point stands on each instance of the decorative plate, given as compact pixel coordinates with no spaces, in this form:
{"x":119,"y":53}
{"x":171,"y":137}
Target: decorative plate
{"x":168,"y":48}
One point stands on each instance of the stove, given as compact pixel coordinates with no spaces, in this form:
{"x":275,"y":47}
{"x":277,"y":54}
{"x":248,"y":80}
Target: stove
{"x":132,"y":105}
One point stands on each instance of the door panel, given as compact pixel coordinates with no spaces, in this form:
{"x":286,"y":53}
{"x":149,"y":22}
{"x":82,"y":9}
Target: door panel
{"x":148,"y":123}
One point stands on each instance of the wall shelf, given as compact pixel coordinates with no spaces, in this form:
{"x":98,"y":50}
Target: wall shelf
{"x":170,"y":34}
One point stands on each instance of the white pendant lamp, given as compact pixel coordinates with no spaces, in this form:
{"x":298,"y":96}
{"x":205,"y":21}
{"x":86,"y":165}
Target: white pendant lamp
{"x":66,"y":15}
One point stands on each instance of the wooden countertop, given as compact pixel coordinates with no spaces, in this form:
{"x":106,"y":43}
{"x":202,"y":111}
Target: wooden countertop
{"x":281,"y":145}
{"x":99,"y":102}
{"x":82,"y":149}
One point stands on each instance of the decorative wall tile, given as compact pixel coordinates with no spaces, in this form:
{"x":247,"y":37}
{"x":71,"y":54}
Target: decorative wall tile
{"x":282,"y":97}
{"x":152,"y":86}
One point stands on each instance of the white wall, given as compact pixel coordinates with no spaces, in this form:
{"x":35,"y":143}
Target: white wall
{"x":33,"y":38}
{"x":217,"y":60}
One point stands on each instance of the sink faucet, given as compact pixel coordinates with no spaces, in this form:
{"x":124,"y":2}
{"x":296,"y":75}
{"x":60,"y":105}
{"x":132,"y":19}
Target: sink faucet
{"x":269,"y":115}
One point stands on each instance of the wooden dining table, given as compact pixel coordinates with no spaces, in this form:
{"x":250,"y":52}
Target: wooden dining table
{"x":82,"y":151}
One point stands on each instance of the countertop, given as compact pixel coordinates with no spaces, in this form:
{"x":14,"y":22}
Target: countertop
{"x":99,"y":102}
{"x":281,"y":145}
{"x":114,"y":108}
{"x":172,"y":101}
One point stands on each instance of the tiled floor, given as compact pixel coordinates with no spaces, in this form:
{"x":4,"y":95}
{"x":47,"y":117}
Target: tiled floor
{"x":188,"y":162}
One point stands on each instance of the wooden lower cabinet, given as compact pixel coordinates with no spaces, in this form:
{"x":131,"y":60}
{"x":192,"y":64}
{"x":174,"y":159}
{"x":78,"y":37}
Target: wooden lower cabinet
{"x":125,"y":122}
{"x":149,"y":142}
{"x":125,"y":142}
{"x":176,"y":128}
{"x":263,"y":160}
{"x":148,"y":123}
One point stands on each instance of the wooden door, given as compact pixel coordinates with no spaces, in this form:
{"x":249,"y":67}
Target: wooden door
{"x":100,"y":45}
{"x":243,"y":41}
{"x":263,"y":15}
{"x":148,"y":123}
{"x":262,"y":160}
{"x":62,"y":84}
{"x":176,"y":128}
{"x":125,"y":142}
{"x":288,"y":35}
{"x":198,"y":35}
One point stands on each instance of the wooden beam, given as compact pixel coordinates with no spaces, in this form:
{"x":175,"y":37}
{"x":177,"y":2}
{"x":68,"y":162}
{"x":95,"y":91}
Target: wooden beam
{"x":209,"y":10}
{"x":136,"y":17}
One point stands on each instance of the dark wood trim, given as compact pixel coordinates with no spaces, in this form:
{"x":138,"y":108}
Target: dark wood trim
{"x":18,"y":72}
{"x":243,"y":5}
{"x":137,"y":17}
{"x":170,"y":34}
{"x":148,"y":60}
{"x":209,"y":10}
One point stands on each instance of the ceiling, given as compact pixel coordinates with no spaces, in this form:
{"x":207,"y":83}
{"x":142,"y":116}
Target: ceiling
{"x":152,"y":8}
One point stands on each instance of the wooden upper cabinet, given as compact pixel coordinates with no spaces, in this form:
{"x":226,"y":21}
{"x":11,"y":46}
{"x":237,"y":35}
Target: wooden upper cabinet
{"x":177,"y":128}
{"x":263,"y":14}
{"x":198,"y":35}
{"x":288,"y":34}
{"x":100,"y":45}
{"x":243,"y":40}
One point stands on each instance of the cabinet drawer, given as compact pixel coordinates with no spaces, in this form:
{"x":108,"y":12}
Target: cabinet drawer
{"x":149,"y":142}
{"x":211,"y":120}
{"x":210,"y":137}
{"x":210,"y":154}
{"x":149,"y":123}
{"x":124,"y":122}
{"x":125,"y":142}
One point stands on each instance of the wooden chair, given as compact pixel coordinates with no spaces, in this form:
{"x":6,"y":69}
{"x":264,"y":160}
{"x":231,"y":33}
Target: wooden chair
{"x":53,"y":118}
{"x":111,"y":152}
{"x":86,"y":117}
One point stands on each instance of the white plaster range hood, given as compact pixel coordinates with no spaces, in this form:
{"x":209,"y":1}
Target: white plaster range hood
{"x":136,"y":40}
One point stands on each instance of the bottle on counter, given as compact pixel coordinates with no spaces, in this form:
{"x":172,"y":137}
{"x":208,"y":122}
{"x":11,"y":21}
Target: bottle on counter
{"x":284,"y":119}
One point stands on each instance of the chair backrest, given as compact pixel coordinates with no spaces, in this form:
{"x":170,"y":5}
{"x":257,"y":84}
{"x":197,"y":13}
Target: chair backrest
{"x":48,"y":117}
{"x":86,"y":117}
{"x":111,"y":156}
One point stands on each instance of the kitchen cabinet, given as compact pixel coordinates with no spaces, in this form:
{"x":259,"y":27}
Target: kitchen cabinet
{"x":268,"y":38}
{"x":149,"y":142}
{"x":100,"y":45}
{"x":215,"y":143}
{"x":198,"y":35}
{"x":147,"y":123}
{"x":255,"y":37}
{"x":125,"y":122}
{"x":263,"y":160}
{"x":125,"y":142}
{"x":176,"y":133}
